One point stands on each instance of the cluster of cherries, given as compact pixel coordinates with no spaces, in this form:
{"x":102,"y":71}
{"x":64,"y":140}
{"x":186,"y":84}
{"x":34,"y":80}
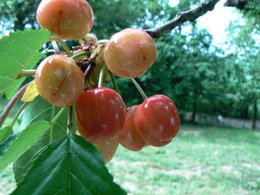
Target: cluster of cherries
{"x":101,"y":115}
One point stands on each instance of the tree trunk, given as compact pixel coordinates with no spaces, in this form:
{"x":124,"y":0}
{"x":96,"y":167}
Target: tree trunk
{"x":244,"y":113}
{"x":254,"y":114}
{"x":194,"y":109}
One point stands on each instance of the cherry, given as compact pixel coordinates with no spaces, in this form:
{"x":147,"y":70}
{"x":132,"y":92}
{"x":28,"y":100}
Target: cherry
{"x":157,"y":120}
{"x":59,"y":80}
{"x":100,"y":114}
{"x":129,"y":53}
{"x":129,"y":136}
{"x":108,"y":148}
{"x":66,"y":19}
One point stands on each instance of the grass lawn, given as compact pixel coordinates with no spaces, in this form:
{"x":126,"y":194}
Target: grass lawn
{"x":201,"y":160}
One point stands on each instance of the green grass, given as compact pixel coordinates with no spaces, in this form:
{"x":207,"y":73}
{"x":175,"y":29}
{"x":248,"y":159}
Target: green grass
{"x":202,"y":160}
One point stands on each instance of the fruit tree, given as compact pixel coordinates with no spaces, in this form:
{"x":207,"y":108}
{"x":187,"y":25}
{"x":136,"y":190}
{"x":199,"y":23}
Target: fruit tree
{"x":73,"y":117}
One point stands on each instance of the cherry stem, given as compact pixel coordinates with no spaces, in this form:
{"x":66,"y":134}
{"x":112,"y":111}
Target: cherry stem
{"x":102,"y":42}
{"x":26,"y":73}
{"x":101,"y":76}
{"x":18,"y":114}
{"x":80,"y":54}
{"x":65,"y":47}
{"x":48,"y":51}
{"x":113,"y":79}
{"x":138,"y":87}
{"x":11,"y":103}
{"x":51,"y":128}
{"x":54,"y":120}
{"x":70,"y":123}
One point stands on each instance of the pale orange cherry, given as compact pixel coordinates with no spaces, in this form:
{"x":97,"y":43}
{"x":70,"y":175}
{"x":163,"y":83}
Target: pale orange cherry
{"x":59,"y":80}
{"x":108,"y":148}
{"x":130,"y":53}
{"x":66,"y":19}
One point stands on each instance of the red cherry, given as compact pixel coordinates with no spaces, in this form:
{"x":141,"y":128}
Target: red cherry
{"x":129,"y":136}
{"x":100,"y":114}
{"x":157,"y":120}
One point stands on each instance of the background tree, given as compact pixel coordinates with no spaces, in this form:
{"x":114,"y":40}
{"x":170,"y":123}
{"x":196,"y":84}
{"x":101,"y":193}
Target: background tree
{"x":198,"y":76}
{"x":246,"y":56}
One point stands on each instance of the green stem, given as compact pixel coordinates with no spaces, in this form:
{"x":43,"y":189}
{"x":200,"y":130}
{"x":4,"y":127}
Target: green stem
{"x":26,"y":73}
{"x":51,"y":129}
{"x":138,"y":87}
{"x":101,"y":76}
{"x":18,"y":114}
{"x":48,"y":51}
{"x":113,"y":79}
{"x":79,"y":54}
{"x":103,"y":42}
{"x":54,"y":120}
{"x":66,"y":48}
{"x":70,"y":124}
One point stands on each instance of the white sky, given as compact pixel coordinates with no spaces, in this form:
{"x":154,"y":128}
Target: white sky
{"x":215,"y":21}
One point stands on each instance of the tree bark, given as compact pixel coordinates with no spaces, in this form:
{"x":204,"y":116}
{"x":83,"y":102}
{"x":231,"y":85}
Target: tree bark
{"x":254,"y":114}
{"x":244,"y":113}
{"x":194,"y":109}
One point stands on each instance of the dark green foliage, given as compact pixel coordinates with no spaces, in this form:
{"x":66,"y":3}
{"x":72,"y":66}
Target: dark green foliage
{"x":26,"y":139}
{"x":70,"y":165}
{"x":39,"y":109}
{"x":5,"y":145}
{"x":4,"y":133}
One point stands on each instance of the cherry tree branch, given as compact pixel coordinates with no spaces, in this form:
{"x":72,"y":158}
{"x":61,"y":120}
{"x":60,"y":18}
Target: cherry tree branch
{"x":180,"y":18}
{"x":11,"y":103}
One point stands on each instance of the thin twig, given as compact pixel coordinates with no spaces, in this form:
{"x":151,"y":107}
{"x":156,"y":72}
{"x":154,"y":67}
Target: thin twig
{"x":55,"y":47}
{"x":87,"y":70}
{"x":11,"y":103}
{"x":180,"y":18}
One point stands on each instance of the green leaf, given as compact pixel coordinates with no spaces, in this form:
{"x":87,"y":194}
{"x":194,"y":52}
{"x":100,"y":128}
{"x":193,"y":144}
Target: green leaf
{"x":14,"y":87}
{"x":17,"y":83}
{"x":37,"y":110}
{"x":4,"y":133}
{"x":16,"y":52}
{"x":27,"y":138}
{"x":40,"y":109}
{"x":5,"y":145}
{"x":70,"y":165}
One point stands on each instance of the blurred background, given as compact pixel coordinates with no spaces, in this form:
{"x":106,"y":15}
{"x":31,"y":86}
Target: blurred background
{"x":210,"y":68}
